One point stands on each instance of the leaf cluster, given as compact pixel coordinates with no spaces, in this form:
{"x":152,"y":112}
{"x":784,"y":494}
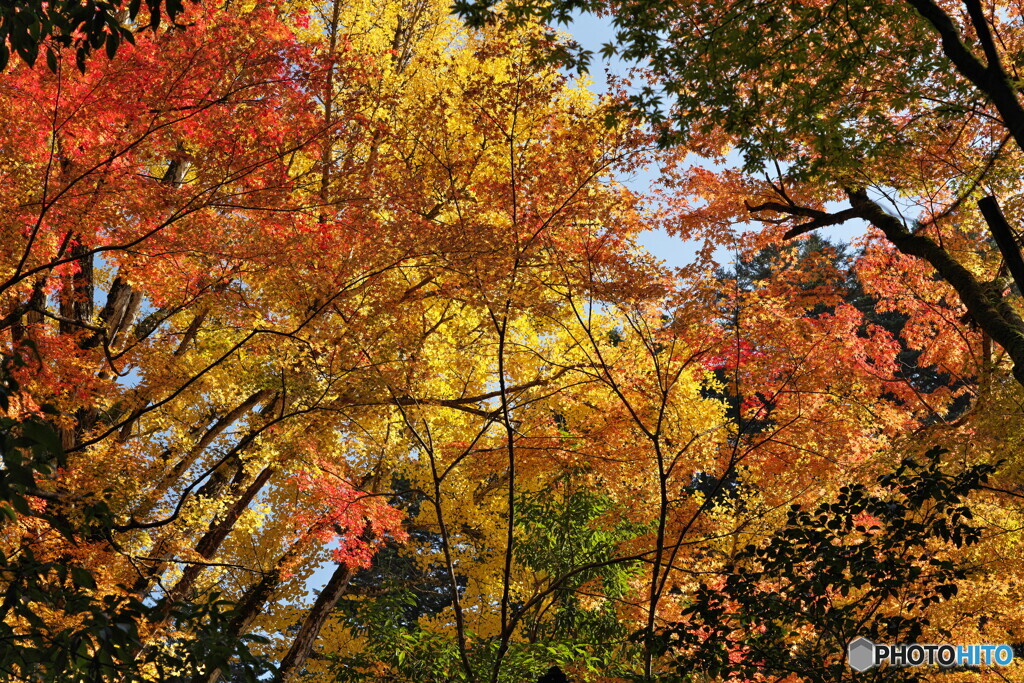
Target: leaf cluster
{"x":28,"y":26}
{"x":98,"y":636}
{"x":868,"y":564}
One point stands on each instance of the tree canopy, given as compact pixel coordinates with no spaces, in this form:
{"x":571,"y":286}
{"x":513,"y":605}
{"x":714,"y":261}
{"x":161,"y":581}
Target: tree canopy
{"x":331,"y":351}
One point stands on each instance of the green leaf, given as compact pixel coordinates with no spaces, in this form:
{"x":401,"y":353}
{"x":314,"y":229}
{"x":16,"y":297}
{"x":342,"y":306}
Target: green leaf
{"x":44,"y":435}
{"x":83,"y":578}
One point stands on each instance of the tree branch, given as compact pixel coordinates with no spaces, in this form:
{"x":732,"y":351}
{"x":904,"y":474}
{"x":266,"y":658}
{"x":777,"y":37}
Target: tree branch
{"x":987,"y":309}
{"x":1005,"y":239}
{"x":991,"y":80}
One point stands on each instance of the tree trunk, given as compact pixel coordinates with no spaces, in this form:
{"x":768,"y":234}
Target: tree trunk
{"x":292,"y":663}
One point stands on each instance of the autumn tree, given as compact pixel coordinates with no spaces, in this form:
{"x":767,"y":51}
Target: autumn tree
{"x":868,"y":563}
{"x":837,"y":103}
{"x":275,"y":264}
{"x":336,"y":313}
{"x":902,"y":115}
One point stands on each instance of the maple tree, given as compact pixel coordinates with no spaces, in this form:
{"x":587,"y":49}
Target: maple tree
{"x":912,"y":101}
{"x":111,"y":625}
{"x":333,"y":355}
{"x":902,"y":115}
{"x":248,"y":331}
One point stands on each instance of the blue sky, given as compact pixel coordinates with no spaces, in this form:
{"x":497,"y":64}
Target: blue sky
{"x":592,"y":32}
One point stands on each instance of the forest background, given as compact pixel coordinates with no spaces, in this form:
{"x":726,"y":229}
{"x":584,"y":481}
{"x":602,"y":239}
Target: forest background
{"x":331,"y":351}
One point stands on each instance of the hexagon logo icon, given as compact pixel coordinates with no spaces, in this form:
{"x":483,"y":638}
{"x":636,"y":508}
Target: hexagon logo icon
{"x":860,"y":654}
